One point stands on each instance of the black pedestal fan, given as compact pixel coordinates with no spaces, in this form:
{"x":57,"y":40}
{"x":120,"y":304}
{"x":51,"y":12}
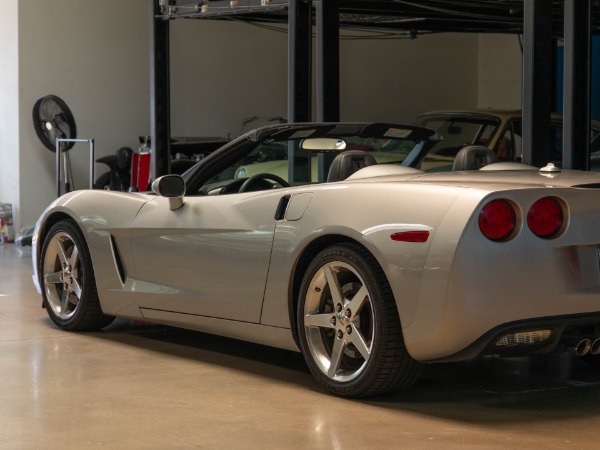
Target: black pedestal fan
{"x":52,"y":119}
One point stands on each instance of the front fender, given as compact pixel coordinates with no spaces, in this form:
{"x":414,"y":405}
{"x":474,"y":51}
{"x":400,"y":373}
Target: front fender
{"x":101,"y":216}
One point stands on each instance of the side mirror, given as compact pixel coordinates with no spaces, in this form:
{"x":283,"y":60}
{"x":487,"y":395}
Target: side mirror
{"x":171,"y":187}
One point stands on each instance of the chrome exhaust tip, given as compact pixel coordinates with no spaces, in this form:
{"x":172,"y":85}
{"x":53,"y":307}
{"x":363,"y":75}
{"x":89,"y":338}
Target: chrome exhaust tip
{"x":579,"y":346}
{"x":595,"y":346}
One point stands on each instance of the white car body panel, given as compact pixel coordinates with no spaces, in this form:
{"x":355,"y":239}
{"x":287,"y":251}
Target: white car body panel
{"x":225,"y":265}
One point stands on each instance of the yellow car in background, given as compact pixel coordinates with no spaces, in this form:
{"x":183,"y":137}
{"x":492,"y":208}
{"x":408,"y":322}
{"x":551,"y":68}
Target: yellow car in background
{"x":500,"y":131}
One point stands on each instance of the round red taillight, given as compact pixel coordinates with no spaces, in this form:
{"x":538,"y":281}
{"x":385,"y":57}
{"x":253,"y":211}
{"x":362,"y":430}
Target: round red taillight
{"x":497,"y":220}
{"x":545,"y":217}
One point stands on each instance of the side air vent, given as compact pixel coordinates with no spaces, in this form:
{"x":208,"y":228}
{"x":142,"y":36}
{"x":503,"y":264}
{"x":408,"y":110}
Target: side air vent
{"x":118,"y":261}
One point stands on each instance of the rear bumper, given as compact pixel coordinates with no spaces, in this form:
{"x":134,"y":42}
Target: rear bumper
{"x":562,"y":327}
{"x":486,"y":288}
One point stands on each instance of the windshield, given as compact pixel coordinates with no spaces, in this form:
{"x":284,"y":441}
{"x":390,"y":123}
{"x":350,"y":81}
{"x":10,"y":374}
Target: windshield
{"x":300,"y":154}
{"x":274,"y":158}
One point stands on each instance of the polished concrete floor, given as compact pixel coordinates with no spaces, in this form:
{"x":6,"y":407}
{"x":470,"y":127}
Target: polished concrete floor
{"x":139,"y":386}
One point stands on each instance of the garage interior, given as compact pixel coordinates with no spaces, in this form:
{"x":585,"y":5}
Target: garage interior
{"x":165,"y":69}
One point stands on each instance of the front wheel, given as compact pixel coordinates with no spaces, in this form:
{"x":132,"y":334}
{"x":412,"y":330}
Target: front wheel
{"x":67,"y":279}
{"x":348,"y":325}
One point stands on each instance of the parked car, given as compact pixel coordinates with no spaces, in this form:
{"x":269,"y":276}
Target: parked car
{"x":500,"y":131}
{"x":374,"y":272}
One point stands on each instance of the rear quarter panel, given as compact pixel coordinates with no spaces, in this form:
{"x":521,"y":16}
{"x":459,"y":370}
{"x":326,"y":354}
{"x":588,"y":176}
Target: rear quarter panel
{"x":494,"y":283}
{"x":368,"y":213}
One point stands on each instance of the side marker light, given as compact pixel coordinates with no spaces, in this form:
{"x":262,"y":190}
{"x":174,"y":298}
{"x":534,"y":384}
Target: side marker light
{"x":410,"y":236}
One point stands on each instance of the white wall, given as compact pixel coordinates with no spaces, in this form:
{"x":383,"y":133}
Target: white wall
{"x":95,"y":55}
{"x":500,"y":72}
{"x":223,"y":72}
{"x":396,"y":80}
{"x":9,"y":106}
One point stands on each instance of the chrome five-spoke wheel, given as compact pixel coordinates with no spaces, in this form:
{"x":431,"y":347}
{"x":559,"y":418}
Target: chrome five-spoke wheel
{"x":339,"y":321}
{"x":61,"y":272}
{"x":67,"y":279}
{"x":349,"y":327}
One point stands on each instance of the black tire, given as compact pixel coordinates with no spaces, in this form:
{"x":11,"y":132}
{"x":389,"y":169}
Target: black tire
{"x":326,"y":328}
{"x":103,"y":181}
{"x":68,"y":282}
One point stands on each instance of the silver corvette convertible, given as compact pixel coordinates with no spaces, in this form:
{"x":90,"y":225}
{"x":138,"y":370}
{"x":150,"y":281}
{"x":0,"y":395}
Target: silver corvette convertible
{"x":394,"y":258}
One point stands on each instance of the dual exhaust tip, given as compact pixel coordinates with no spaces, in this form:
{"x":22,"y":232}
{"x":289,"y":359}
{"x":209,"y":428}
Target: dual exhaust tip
{"x":581,"y":346}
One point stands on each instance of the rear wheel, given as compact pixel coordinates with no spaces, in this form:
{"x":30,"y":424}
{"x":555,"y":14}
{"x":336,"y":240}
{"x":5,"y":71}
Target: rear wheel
{"x":67,"y":279}
{"x":349,"y":327}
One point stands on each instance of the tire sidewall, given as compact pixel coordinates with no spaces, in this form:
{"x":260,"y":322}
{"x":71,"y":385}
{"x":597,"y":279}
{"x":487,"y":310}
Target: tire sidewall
{"x":348,"y":254}
{"x":87,"y":275}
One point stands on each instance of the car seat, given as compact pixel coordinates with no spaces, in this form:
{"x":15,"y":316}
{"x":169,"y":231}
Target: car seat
{"x":474,"y":157}
{"x":348,"y":162}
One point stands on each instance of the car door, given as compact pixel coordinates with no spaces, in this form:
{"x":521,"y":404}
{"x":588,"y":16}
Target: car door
{"x":209,"y":257}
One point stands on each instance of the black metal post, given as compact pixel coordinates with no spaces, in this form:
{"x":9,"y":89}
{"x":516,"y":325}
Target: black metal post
{"x":576,"y":100}
{"x":299,"y":81}
{"x":328,"y":70}
{"x":537,"y":82}
{"x":299,"y":60}
{"x":160,"y":115}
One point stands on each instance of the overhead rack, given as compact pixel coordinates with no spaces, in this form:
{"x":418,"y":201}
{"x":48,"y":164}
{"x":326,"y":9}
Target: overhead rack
{"x":465,"y":16}
{"x":540,"y":22}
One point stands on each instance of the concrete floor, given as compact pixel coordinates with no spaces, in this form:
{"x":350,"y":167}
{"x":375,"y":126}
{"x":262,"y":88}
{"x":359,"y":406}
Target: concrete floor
{"x":134,"y":386}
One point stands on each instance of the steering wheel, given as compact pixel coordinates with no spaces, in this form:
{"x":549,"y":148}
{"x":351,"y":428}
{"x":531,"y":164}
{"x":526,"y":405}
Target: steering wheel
{"x":253,"y":180}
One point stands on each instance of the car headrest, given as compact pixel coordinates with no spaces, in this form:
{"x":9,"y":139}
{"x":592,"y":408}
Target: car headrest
{"x":474,"y":157}
{"x":348,"y":162}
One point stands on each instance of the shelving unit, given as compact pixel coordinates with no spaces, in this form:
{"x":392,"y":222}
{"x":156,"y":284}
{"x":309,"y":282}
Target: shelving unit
{"x":541,"y":22}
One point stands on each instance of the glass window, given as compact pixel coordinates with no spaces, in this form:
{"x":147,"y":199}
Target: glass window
{"x":457,"y":131}
{"x":510,"y":143}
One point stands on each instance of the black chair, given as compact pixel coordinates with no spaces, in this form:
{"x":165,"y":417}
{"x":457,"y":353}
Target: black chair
{"x":474,"y":157}
{"x":348,"y":162}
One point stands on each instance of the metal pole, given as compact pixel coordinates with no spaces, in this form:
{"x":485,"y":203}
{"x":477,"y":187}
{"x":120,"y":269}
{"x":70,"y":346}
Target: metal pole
{"x":328,"y":61}
{"x":576,"y":88}
{"x":160,"y":115}
{"x":67,"y":175}
{"x":328,"y":72}
{"x":299,"y":60}
{"x":299,"y":82}
{"x":537,"y":82}
{"x":57,"y":144}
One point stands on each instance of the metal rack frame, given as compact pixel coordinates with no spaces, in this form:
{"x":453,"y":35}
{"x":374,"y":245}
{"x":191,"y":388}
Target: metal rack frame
{"x":66,"y":163}
{"x":540,"y":21}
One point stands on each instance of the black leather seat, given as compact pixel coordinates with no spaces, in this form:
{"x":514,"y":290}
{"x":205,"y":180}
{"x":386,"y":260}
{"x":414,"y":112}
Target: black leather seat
{"x":474,"y":157}
{"x":348,"y":162}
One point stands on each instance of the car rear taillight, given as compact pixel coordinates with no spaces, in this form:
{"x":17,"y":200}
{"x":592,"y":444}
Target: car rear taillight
{"x":498,"y":220}
{"x":545,"y":217}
